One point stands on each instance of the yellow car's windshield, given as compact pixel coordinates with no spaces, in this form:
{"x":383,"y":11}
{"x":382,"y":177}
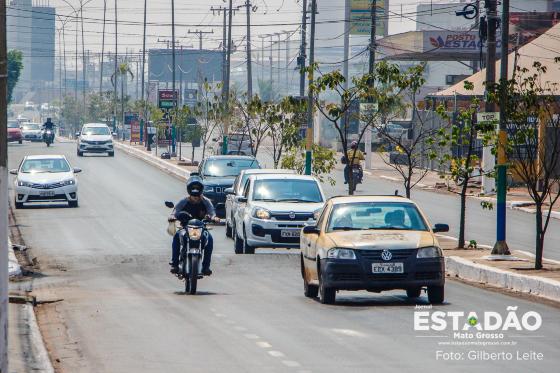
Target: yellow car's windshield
{"x":376,"y":215}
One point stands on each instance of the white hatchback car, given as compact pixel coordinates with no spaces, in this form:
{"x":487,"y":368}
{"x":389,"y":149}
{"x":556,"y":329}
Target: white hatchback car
{"x":95,"y":138}
{"x":237,"y":189}
{"x":45,"y":178}
{"x":273,"y":209}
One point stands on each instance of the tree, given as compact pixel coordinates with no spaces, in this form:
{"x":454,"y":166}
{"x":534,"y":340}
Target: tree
{"x":463,"y":137}
{"x":15,"y":66}
{"x":73,"y":113}
{"x":252,"y":124}
{"x":422,"y":145}
{"x":209,"y":113}
{"x":99,"y":106}
{"x":533,"y":143}
{"x":283,"y":121}
{"x":266,"y":91}
{"x":122,"y":73}
{"x":324,"y":161}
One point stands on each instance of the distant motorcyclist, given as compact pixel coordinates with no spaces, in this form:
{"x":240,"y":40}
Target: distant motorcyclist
{"x":199,"y":207}
{"x":48,"y":126}
{"x":353,"y":158}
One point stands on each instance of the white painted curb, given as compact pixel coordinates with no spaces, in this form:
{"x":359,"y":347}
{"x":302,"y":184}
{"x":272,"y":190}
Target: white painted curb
{"x":467,"y":270}
{"x":38,"y":349}
{"x":14,"y":269}
{"x":171,"y":169}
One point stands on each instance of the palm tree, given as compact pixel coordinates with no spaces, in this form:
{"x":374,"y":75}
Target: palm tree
{"x":123,"y":72}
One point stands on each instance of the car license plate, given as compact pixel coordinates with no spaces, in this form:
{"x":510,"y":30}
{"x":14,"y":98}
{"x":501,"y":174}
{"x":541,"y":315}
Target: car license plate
{"x":387,"y":268}
{"x":47,"y":194}
{"x":289,"y":234}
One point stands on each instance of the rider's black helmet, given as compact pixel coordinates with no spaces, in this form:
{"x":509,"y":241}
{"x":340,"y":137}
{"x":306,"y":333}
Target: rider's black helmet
{"x":195,"y":187}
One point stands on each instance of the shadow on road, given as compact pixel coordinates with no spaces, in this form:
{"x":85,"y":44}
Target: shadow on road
{"x":382,"y":301}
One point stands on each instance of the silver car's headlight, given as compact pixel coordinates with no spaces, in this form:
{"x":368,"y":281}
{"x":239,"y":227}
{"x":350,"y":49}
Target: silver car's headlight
{"x":429,"y":252}
{"x":261,"y":213}
{"x":194,"y":233}
{"x":69,"y":182}
{"x":317,"y":213}
{"x":338,"y":253}
{"x":24,"y":184}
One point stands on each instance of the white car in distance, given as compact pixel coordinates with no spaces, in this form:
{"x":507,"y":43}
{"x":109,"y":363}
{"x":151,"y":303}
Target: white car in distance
{"x":95,"y":138}
{"x":45,"y":178}
{"x":237,"y":189}
{"x":32,"y":131}
{"x":273,"y":209}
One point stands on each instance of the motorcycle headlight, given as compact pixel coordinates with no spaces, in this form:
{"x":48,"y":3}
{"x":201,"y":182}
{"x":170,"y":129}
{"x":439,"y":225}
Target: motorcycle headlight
{"x":24,"y":184}
{"x":194,"y":233}
{"x":262,"y":214}
{"x":429,"y":252}
{"x":69,"y":182}
{"x":338,"y":253}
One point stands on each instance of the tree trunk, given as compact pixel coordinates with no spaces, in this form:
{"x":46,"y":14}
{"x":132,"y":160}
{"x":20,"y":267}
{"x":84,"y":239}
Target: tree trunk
{"x":407,"y":188}
{"x":192,"y":156}
{"x":539,"y":237}
{"x":461,"y":243}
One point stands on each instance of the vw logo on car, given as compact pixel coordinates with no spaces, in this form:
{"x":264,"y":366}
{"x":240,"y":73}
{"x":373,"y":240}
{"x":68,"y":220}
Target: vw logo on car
{"x":292,"y":215}
{"x":386,"y":255}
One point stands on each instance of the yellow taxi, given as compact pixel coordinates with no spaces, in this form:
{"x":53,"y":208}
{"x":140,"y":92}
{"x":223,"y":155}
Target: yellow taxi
{"x":372,"y":243}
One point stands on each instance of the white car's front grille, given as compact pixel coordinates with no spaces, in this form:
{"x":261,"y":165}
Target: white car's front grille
{"x":47,"y":186}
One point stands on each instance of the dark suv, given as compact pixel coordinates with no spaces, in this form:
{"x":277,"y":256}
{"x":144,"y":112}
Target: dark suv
{"x":218,"y":173}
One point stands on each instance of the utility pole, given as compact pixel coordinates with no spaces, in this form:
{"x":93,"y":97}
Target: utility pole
{"x":84,"y":65}
{"x":174,"y":68}
{"x":303,"y":47}
{"x":143,"y":89}
{"x":3,"y":191}
{"x":371,"y":70}
{"x":501,"y":246}
{"x":228,"y":75}
{"x":200,"y":33}
{"x":488,"y":161}
{"x":249,"y":60}
{"x":287,"y":62}
{"x":116,"y":70}
{"x":103,"y":47}
{"x":222,"y":10}
{"x":278,"y":34}
{"x":347,"y":27}
{"x":310,"y":98}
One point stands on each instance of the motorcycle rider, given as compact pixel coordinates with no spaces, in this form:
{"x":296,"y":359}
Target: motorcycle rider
{"x":48,"y":126}
{"x":199,"y":207}
{"x":354,"y":156}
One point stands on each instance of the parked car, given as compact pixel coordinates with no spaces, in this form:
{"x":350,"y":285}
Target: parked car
{"x":237,"y":189}
{"x":95,"y":138}
{"x":45,"y":178}
{"x":239,"y":143}
{"x":32,"y":131}
{"x":29,"y":105}
{"x":218,"y":173}
{"x":273,"y":209}
{"x":14,"y":132}
{"x":372,"y":243}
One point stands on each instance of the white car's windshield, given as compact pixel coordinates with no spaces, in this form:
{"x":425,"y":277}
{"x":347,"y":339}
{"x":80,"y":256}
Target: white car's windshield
{"x":96,"y":131}
{"x":228,"y":167}
{"x":286,"y":190}
{"x":52,"y":165}
{"x":376,"y":215}
{"x":31,"y":127}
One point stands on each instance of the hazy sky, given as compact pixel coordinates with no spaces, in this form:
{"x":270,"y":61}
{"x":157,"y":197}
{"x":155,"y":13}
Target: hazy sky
{"x":271,"y":16}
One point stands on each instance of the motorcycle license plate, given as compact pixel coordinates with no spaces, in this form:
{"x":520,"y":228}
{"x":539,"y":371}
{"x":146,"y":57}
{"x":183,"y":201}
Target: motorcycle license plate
{"x":387,"y":268}
{"x":289,"y":234}
{"x":47,"y":194}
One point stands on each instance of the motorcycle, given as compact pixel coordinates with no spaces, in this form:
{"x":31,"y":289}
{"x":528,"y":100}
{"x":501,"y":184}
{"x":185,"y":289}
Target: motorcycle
{"x":357,"y":175}
{"x":190,"y":258}
{"x":48,"y":137}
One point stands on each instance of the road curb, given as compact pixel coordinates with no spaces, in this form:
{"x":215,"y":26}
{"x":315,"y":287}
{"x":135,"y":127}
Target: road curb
{"x":474,"y":272}
{"x":173,"y":170}
{"x":14,"y":269}
{"x":39,"y":351}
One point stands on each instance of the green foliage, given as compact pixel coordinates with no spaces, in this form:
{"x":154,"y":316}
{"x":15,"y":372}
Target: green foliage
{"x":265,"y":90}
{"x":324,"y":161}
{"x":73,"y":112}
{"x":15,"y":66}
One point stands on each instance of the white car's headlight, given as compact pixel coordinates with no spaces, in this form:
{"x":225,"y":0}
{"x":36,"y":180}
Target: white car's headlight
{"x":208,"y":189}
{"x":69,"y":182}
{"x":429,"y":252}
{"x":338,"y":253}
{"x":194,"y":233}
{"x":24,"y":184}
{"x":261,"y":213}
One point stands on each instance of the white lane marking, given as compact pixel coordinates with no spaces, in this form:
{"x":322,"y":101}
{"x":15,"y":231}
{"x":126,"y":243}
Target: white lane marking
{"x":219,"y":315}
{"x":251,"y":336}
{"x":350,"y":333}
{"x":291,"y":363}
{"x":230,"y":322}
{"x":276,"y":353}
{"x":263,"y":344}
{"x":240,"y":328}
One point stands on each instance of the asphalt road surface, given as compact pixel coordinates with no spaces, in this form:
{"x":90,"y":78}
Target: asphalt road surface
{"x":120,"y":310}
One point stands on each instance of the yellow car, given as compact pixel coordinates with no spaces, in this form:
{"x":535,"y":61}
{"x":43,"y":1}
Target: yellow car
{"x":372,"y":243}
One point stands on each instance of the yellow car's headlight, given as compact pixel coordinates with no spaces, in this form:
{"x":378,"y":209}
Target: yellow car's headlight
{"x":338,"y":253}
{"x":429,"y":252}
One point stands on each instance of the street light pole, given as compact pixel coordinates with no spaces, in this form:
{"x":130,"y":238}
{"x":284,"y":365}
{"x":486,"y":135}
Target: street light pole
{"x":310,"y":98}
{"x":116,"y":70}
{"x":228,"y":76}
{"x":102,"y":48}
{"x":301,"y":59}
{"x":143,"y":117}
{"x":175,"y":98}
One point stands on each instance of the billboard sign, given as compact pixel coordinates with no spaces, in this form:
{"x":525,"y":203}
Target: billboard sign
{"x":167,"y":98}
{"x":360,"y":17}
{"x":191,"y":97}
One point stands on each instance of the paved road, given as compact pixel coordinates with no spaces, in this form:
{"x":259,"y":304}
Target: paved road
{"x":122,"y":311}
